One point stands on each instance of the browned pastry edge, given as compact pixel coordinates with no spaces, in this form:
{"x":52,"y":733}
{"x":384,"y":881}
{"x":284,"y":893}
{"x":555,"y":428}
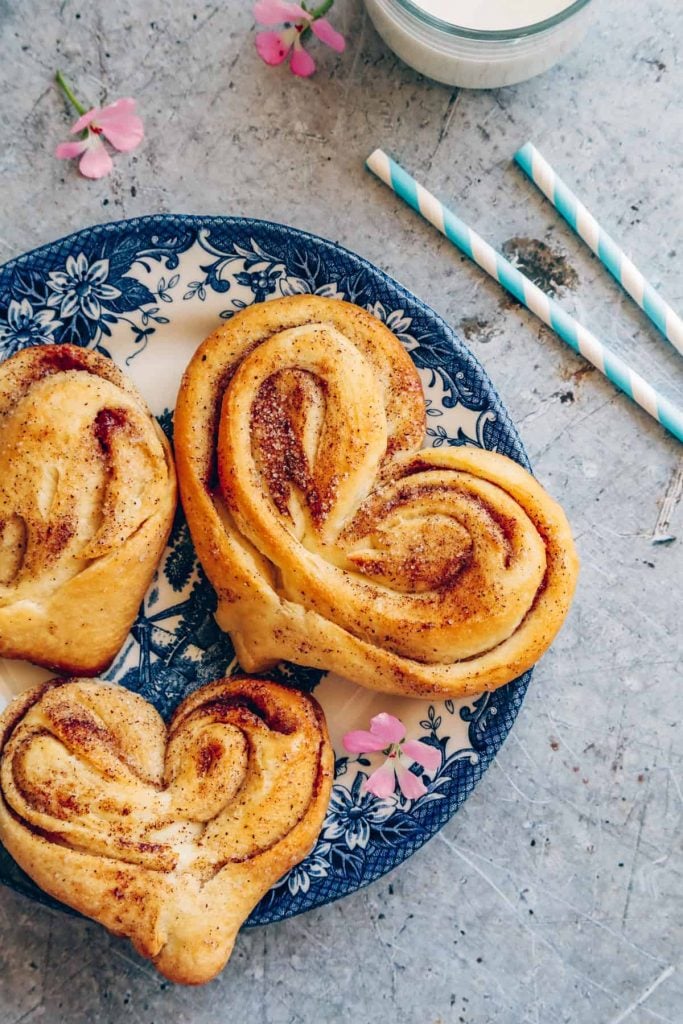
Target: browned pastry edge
{"x":281,"y":600}
{"x":181,"y":910}
{"x":76,"y":635}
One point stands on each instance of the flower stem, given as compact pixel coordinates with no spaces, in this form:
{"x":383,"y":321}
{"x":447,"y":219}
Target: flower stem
{"x":321,"y":9}
{"x":317,"y":12}
{"x":69,"y":93}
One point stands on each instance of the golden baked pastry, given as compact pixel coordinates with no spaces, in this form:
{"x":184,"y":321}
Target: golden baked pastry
{"x":87,"y":498}
{"x":331,"y":540}
{"x":168,"y":836}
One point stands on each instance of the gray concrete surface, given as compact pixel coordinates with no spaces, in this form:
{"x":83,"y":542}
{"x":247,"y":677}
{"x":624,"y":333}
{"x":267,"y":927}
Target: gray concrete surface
{"x":555,"y":894}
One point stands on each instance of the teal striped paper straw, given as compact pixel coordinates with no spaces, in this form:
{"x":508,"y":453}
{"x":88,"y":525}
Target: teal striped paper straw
{"x":545,"y":308}
{"x":605,"y":248}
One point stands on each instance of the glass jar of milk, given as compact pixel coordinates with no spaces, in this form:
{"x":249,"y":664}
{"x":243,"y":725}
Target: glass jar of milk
{"x":480,"y":44}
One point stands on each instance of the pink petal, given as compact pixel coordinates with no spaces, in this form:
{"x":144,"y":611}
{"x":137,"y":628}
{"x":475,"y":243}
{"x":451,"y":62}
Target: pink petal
{"x":302,"y":64}
{"x":387,"y":728}
{"x":121,"y":125}
{"x":271,"y":12}
{"x":361,"y":742}
{"x":383,"y":781}
{"x":411,"y":786}
{"x":67,"y":150}
{"x":84,"y":120}
{"x":271,"y":47}
{"x":125,"y":105}
{"x":426,"y":755}
{"x":95,"y":162}
{"x":327,"y":34}
{"x":125,"y":134}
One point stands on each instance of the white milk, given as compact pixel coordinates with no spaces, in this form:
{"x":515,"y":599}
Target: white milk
{"x":492,"y":15}
{"x":439,"y":37}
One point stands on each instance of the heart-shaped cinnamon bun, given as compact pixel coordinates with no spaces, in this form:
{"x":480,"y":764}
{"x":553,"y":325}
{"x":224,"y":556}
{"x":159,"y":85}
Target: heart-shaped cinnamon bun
{"x":87,"y":497}
{"x":331,"y":540}
{"x":168,"y":836}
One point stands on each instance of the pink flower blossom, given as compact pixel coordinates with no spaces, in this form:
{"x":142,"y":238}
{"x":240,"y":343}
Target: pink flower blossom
{"x":117,"y":123}
{"x":274,"y":47}
{"x":387,"y":733}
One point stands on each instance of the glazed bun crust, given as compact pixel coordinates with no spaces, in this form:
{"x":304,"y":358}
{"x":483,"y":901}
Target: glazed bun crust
{"x":332,"y":540}
{"x":169,"y":836}
{"x":87,"y":498}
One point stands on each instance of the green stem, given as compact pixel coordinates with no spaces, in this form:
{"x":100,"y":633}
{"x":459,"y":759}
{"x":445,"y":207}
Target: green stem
{"x":317,"y":12}
{"x":321,"y":10}
{"x":69,"y":93}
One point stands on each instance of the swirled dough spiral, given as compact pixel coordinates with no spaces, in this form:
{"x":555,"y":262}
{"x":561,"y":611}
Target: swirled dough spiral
{"x":168,"y":836}
{"x":87,"y":497}
{"x":331,"y":540}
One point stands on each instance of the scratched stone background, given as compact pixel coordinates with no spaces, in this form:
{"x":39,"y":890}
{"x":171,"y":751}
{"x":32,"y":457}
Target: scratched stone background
{"x":555,"y":893}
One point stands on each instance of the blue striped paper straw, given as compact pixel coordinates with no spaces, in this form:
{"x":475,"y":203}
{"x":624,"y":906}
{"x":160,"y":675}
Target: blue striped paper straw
{"x":545,"y":308}
{"x":605,"y":248}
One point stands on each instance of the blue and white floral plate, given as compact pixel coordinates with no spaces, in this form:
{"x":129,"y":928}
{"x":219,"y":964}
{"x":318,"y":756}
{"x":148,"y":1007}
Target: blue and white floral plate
{"x":146,"y":292}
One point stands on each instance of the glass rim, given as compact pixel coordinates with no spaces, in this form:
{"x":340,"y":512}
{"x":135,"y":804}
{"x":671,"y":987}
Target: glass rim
{"x":488,"y":34}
